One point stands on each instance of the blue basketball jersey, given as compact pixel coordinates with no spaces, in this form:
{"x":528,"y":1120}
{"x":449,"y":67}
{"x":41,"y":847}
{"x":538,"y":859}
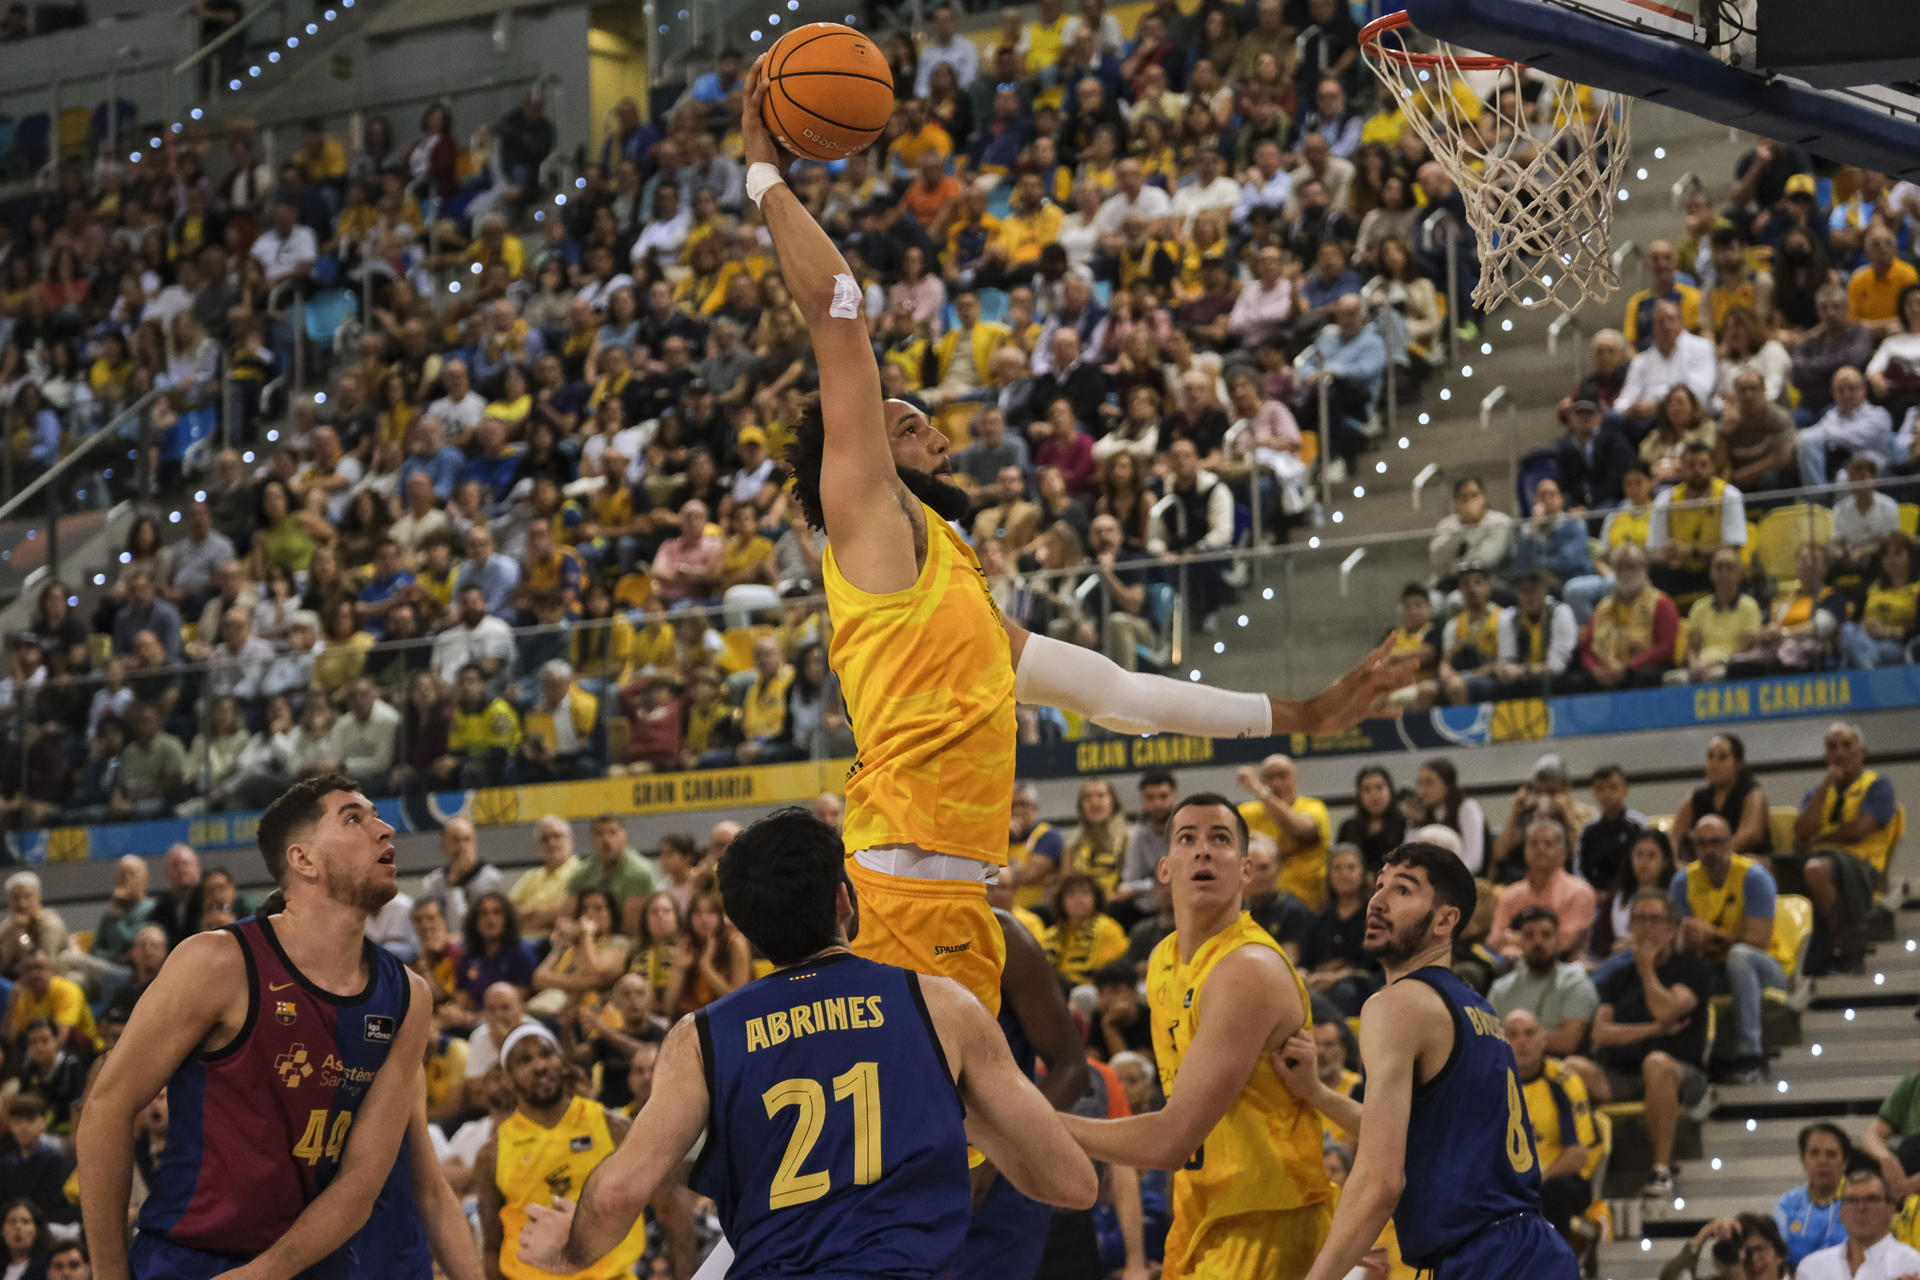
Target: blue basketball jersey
{"x":835,"y":1144}
{"x":1470,"y":1154}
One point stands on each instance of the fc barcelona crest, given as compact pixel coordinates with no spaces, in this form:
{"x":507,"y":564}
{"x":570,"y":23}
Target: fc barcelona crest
{"x":284,"y":1012}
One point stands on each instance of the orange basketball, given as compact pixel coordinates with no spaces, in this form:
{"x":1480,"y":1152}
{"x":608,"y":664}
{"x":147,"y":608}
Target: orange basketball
{"x":829,"y":91}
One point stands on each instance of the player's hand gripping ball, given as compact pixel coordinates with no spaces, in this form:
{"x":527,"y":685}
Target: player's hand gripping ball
{"x":829,"y":91}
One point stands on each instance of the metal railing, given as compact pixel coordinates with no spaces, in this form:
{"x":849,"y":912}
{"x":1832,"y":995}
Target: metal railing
{"x":52,"y":482}
{"x":1322,"y":596}
{"x":1494,"y":400}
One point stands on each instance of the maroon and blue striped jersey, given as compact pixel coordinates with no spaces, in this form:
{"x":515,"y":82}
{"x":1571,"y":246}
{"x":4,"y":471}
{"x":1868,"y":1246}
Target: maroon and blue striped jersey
{"x":256,"y":1129}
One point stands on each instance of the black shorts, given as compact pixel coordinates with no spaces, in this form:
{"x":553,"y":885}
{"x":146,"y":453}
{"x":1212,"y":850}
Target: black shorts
{"x":1853,"y":878}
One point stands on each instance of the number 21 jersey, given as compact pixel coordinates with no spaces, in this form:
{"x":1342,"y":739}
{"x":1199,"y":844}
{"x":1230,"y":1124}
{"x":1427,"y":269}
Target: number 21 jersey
{"x":256,"y":1128}
{"x":835,"y":1141}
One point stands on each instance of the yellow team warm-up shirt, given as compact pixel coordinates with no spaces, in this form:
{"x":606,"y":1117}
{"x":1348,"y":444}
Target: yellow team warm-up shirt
{"x":1263,"y":1157}
{"x":1303,"y":867}
{"x":537,"y":1164}
{"x":928,"y":679}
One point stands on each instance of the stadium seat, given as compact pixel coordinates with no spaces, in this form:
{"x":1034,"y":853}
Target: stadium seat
{"x":619,"y":735}
{"x":1783,"y":530}
{"x":1909,"y":514}
{"x":1780,"y":818}
{"x":30,"y":142}
{"x":736,"y":648}
{"x":633,"y":590}
{"x":75,"y":124}
{"x":325,"y":312}
{"x":994,"y":304}
{"x":188,"y":431}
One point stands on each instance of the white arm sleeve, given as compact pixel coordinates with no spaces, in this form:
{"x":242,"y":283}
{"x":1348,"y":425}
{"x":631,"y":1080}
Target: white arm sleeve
{"x":1056,"y":674}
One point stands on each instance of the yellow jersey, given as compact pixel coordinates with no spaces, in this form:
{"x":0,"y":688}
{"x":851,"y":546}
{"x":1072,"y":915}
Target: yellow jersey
{"x":1303,"y":867}
{"x":1557,"y":1106}
{"x":1029,"y":896}
{"x":534,"y":1163}
{"x":1076,"y":953}
{"x":1263,"y":1157}
{"x":928,"y":679}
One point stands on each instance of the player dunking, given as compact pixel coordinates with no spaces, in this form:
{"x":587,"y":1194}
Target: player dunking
{"x":832,"y":1147}
{"x":291,"y":1050}
{"x":929,"y":668}
{"x":1446,"y":1149}
{"x":1250,"y":1195}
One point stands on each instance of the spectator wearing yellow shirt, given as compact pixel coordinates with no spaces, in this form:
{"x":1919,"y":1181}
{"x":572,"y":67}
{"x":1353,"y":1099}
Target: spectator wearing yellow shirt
{"x":1723,"y":623}
{"x":1663,"y":285}
{"x":746,"y":555}
{"x":1032,"y":223}
{"x":496,"y":246}
{"x":653,"y":641}
{"x":484,"y":732}
{"x":1873,"y":292}
{"x":540,"y":894}
{"x":1043,"y":39}
{"x":561,"y":742}
{"x":39,"y":992}
{"x":1098,"y":845}
{"x":321,"y":158}
{"x":763,"y":707}
{"x":1083,"y":937}
{"x":111,"y":370}
{"x":1736,"y":283}
{"x":711,"y":728}
{"x":357,"y":218}
{"x":1298,"y":825}
{"x":919,"y":134}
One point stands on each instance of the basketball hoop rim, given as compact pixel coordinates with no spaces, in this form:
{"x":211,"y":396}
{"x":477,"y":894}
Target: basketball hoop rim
{"x":1371,"y":48}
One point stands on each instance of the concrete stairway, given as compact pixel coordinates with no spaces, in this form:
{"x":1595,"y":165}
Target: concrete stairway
{"x":1858,"y":1040}
{"x":1308,"y":630}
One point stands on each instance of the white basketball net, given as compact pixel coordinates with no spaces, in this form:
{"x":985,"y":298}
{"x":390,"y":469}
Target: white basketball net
{"x":1539,"y":180}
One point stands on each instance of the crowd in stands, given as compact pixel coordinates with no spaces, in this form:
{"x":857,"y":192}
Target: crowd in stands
{"x":536,"y":528}
{"x":1600,"y":938}
{"x":1776,"y":347}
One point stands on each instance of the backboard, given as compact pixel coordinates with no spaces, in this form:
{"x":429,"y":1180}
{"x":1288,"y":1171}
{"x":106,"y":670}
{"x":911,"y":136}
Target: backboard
{"x":1686,"y":54}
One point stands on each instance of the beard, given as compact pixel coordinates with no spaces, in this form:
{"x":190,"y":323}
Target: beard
{"x":361,"y":895}
{"x":546,"y":1097}
{"x":1404,"y":944}
{"x":947,"y":499}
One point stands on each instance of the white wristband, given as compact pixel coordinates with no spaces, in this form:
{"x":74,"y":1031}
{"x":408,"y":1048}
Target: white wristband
{"x":760,"y":177}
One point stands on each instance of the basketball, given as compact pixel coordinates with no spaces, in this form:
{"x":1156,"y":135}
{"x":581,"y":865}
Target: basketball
{"x":829,"y":91}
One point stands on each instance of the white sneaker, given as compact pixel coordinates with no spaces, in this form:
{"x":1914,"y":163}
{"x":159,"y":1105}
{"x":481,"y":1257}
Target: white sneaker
{"x":1336,"y":471}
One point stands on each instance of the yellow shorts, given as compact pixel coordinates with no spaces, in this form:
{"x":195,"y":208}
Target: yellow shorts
{"x":1272,"y":1246}
{"x":939,"y":927}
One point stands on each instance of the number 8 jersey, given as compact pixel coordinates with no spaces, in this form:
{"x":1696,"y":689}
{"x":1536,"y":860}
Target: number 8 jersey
{"x":835,"y":1140}
{"x":256,"y":1128}
{"x":1471,"y":1160}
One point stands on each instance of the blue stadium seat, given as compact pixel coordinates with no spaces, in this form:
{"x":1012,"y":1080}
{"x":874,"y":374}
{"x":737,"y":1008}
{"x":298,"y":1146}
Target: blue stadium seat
{"x":1535,"y":465}
{"x":190,"y":430}
{"x":994,"y":304}
{"x":325,"y":312}
{"x":30,"y":140}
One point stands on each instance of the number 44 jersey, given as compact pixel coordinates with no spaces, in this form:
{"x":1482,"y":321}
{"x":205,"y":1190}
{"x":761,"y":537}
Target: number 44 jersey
{"x":256,"y":1128}
{"x":835,"y":1144}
